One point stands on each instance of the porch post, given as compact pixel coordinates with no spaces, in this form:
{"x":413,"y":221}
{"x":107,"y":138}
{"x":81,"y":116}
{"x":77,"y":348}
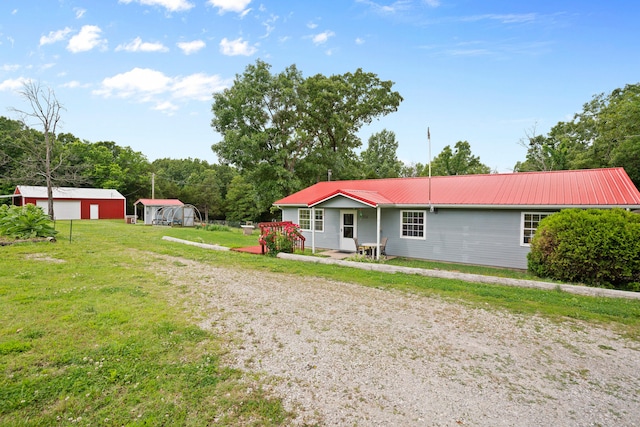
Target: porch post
{"x":378,"y":232}
{"x":313,"y":229}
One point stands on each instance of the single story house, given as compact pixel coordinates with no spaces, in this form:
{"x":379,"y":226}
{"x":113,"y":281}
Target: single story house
{"x":473,"y":219}
{"x":152,"y":209}
{"x":74,"y":203}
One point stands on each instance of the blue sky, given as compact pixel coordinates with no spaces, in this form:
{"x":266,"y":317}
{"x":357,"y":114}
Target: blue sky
{"x":141,"y":73}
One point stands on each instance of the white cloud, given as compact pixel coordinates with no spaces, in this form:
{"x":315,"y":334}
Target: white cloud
{"x":236,"y":47}
{"x":394,"y":7}
{"x":10,"y":67}
{"x":238,"y":6}
{"x":359,"y":41}
{"x":191,"y":47}
{"x":312,"y":25}
{"x":167,"y":107}
{"x":198,"y":86}
{"x":170,"y":5}
{"x":269,"y":25}
{"x":137,"y":82}
{"x":147,"y":85}
{"x":86,"y":39}
{"x":73,"y":84}
{"x":79,"y":12}
{"x":137,"y":45}
{"x":13,"y":84}
{"x":55,"y":36}
{"x":322,"y":37}
{"x":397,"y":7}
{"x":512,"y":18}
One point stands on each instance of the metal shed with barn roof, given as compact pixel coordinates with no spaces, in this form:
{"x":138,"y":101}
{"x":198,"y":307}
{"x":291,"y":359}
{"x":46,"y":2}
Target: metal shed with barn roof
{"x":152,"y":209}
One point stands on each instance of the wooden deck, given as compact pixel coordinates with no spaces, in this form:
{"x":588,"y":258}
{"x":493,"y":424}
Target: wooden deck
{"x":256,"y":250}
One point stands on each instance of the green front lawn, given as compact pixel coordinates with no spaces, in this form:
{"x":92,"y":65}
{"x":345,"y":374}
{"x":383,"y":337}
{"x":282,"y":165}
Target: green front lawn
{"x":88,"y":333}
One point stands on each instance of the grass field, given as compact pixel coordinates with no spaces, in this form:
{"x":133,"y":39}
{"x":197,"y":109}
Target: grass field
{"x":89,"y":335}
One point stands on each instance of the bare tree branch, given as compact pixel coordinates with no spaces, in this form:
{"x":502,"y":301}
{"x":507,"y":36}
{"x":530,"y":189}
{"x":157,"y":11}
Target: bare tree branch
{"x":45,"y":112}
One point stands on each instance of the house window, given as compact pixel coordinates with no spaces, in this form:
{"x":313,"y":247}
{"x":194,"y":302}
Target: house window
{"x":412,"y":224}
{"x":304,"y":219}
{"x":319,"y":219}
{"x":530,"y":221}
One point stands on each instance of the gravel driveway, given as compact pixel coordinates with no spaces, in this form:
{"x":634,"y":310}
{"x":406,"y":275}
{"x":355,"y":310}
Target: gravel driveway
{"x":341,"y":354}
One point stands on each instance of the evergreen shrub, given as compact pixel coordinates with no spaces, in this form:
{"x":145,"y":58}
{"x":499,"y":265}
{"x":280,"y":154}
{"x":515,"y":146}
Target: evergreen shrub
{"x":596,"y":247}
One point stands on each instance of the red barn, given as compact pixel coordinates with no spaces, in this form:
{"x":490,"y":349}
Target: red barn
{"x":75,"y":203}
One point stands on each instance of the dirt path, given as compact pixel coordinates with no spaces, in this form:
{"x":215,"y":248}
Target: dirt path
{"x":343,"y":354}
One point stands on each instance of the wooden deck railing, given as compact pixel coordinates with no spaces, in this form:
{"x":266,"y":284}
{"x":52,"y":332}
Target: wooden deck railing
{"x":266,"y":227}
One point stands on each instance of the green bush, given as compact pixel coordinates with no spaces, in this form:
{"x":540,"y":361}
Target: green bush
{"x":596,"y":247}
{"x":213,"y":227}
{"x":25,"y":222}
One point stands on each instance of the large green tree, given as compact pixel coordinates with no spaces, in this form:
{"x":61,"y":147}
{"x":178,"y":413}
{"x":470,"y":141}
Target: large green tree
{"x":241,"y":200}
{"x":414,"y":169}
{"x":606,"y":133}
{"x":195,"y":182}
{"x":283,"y":132}
{"x":380,"y":160}
{"x":105,"y":164}
{"x":73,"y":162}
{"x":10,"y":153}
{"x":459,"y":161}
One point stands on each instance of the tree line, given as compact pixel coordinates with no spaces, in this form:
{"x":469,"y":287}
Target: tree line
{"x":282,"y":132}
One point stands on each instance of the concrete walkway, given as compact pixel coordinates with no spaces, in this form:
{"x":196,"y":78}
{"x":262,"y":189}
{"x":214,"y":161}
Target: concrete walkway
{"x":477,"y":278}
{"x":443,"y":274}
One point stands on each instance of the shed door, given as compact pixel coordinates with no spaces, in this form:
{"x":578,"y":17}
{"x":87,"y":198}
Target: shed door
{"x":348,"y":230}
{"x":94,"y":211}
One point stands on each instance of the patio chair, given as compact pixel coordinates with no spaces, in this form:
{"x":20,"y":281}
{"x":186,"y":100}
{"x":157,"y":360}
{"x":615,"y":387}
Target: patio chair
{"x":359,"y":249}
{"x":383,"y":246}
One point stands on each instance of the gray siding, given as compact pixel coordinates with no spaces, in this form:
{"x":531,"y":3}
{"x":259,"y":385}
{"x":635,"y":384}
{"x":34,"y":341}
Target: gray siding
{"x":470,"y":236}
{"x":329,"y":238}
{"x":483,"y":237}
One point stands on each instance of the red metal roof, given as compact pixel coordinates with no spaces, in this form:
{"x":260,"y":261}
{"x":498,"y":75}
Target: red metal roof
{"x":589,"y":187}
{"x":159,"y":202}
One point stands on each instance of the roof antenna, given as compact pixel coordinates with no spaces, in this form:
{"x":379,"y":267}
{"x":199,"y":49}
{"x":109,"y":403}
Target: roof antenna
{"x":429,"y":139}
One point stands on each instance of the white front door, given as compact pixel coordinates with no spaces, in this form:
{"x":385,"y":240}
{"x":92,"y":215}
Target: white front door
{"x":94,"y":211}
{"x":348,"y":230}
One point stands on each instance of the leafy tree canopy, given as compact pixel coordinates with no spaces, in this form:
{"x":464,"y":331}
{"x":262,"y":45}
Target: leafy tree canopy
{"x":459,"y":161}
{"x":379,"y":160}
{"x":605,"y":134}
{"x":195,"y":182}
{"x":284,"y":132}
{"x":241,"y":200}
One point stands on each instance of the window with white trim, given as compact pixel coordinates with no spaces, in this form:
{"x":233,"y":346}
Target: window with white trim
{"x":530,"y":221}
{"x":413,"y":224}
{"x":304,"y":219}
